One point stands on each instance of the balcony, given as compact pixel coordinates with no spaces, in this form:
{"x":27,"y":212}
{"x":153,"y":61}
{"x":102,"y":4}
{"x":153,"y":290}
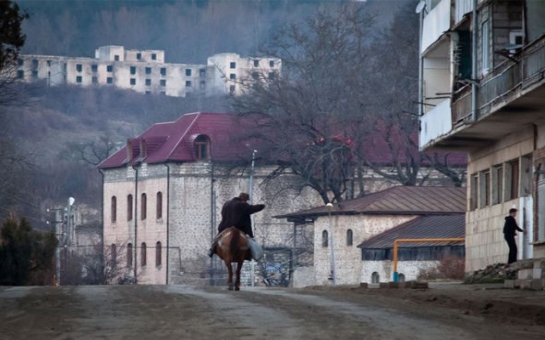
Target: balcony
{"x":435,"y":24}
{"x":508,"y":98}
{"x":435,"y":123}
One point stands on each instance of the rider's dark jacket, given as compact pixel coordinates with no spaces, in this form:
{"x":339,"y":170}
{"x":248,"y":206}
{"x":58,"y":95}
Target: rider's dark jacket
{"x":236,"y":213}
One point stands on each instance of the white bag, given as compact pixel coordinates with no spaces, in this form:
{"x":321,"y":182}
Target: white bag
{"x":256,"y":249}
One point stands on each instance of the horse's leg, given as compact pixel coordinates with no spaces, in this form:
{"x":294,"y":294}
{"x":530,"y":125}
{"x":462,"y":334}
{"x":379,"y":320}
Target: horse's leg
{"x":230,"y":277}
{"x":239,"y":267}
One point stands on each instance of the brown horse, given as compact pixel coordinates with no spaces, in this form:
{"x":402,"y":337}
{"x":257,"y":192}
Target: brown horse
{"x":233,"y":247}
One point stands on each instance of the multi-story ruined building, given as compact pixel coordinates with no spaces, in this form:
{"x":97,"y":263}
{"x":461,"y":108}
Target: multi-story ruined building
{"x":145,"y":71}
{"x":482,"y":91}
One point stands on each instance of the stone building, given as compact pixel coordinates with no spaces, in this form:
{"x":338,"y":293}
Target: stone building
{"x":340,"y":228}
{"x":145,"y":71}
{"x":163,"y":193}
{"x":483,"y":92}
{"x":413,"y":257}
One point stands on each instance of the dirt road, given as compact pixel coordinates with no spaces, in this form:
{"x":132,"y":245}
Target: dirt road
{"x":182,"y":312}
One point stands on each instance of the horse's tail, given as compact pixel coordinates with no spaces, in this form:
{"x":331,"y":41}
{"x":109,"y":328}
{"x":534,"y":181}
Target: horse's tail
{"x":234,"y":245}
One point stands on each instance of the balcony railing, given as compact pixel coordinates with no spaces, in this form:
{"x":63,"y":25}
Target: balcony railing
{"x":505,"y":82}
{"x":435,"y":123}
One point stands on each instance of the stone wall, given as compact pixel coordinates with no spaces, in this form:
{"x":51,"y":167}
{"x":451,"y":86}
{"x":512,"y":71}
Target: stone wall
{"x":385,"y":269}
{"x":348,"y":264}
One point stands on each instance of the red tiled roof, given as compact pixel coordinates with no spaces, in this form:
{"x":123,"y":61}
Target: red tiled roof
{"x":399,"y":200}
{"x":448,"y":226}
{"x":173,"y":141}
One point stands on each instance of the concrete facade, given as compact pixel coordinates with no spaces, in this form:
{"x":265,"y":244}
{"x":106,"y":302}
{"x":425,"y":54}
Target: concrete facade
{"x":496,"y":114}
{"x":145,"y":71}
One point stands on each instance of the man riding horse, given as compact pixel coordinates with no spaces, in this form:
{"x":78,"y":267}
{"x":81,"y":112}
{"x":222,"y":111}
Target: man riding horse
{"x":236,"y":213}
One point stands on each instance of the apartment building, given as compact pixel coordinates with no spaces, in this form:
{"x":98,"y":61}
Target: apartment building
{"x":482,"y":77}
{"x":145,"y":71}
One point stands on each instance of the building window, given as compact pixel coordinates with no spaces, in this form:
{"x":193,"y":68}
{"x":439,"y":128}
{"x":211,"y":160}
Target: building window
{"x":94,"y":80}
{"x":202,"y":72}
{"x":163,"y":93}
{"x":325,"y":238}
{"x":485,"y":45}
{"x":474,"y":192}
{"x":159,"y":209}
{"x":202,"y":85}
{"x":255,"y":75}
{"x":271,"y":75}
{"x":497,"y":184}
{"x":163,"y":82}
{"x":526,"y":175}
{"x":158,"y":254}
{"x":163,"y":71}
{"x":34,"y":75}
{"x":133,"y":69}
{"x":34,"y":63}
{"x":349,"y":237}
{"x":133,"y":81}
{"x":232,"y":65}
{"x":153,"y":56}
{"x":512,"y":180}
{"x":256,"y":63}
{"x":188,"y":72}
{"x":20,"y":74}
{"x":188,"y":83}
{"x":79,"y":67}
{"x":143,"y":207}
{"x":113,"y":209}
{"x":78,"y":79}
{"x":232,"y":89}
{"x":109,"y":68}
{"x":20,"y":62}
{"x":129,"y":207}
{"x":109,"y":80}
{"x":143,"y":253}
{"x":148,"y":92}
{"x":148,"y":82}
{"x":116,"y":58}
{"x":138,"y":56}
{"x":113,"y":251}
{"x":129,"y":255}
{"x":202,"y":147}
{"x":375,"y":278}
{"x":232,"y":76}
{"x":94,"y":68}
{"x":271,"y":63}
{"x":148,"y":70}
{"x":401,"y":277}
{"x":484,"y":188}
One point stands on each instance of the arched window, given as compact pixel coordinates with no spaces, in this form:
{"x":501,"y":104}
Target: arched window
{"x":143,"y":251}
{"x":325,"y":238}
{"x":143,"y":206}
{"x":129,"y":255}
{"x":401,"y":278}
{"x":375,"y":278}
{"x":158,"y":255}
{"x":114,"y":209}
{"x":113,"y":251}
{"x":202,"y":147}
{"x":159,"y":212}
{"x":349,"y":237}
{"x":129,"y":208}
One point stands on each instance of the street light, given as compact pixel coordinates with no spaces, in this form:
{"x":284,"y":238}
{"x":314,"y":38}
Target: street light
{"x":251,"y":194}
{"x":329,"y":206}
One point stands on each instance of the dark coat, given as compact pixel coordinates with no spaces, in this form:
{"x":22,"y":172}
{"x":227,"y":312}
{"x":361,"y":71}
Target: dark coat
{"x":511,"y":226}
{"x":236,"y":213}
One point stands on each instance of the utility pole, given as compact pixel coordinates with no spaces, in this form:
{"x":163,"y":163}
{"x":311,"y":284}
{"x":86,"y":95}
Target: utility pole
{"x":329,"y":206}
{"x":250,"y":193}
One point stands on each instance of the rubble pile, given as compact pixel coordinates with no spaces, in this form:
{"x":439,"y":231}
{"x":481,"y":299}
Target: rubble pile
{"x":497,"y":273}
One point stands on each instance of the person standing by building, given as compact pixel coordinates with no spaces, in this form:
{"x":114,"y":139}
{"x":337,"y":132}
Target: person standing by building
{"x":509,"y":232}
